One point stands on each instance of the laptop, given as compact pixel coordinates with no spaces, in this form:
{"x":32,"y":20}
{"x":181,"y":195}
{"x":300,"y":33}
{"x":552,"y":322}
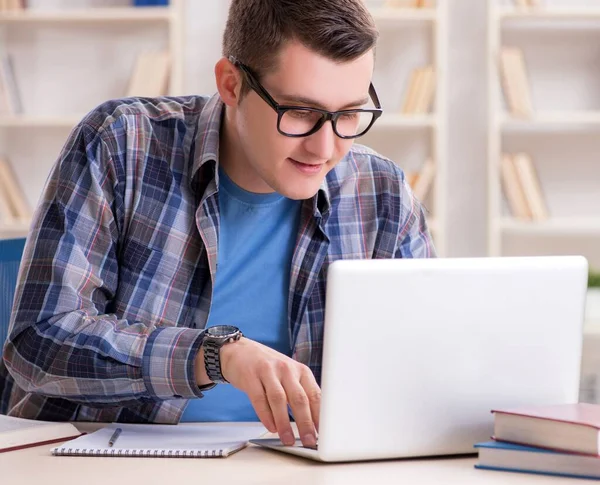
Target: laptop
{"x":417,"y":352}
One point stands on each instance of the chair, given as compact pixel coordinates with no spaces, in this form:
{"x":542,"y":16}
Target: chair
{"x":11,"y":251}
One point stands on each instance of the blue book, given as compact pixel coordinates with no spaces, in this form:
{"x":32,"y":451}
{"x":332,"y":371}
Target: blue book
{"x":150,"y":3}
{"x":497,"y":455}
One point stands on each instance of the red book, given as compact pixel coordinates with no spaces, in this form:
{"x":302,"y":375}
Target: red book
{"x":571,"y":428}
{"x":17,"y":433}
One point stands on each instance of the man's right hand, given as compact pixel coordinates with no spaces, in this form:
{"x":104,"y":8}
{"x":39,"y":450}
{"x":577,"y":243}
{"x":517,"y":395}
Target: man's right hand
{"x":272,"y":380}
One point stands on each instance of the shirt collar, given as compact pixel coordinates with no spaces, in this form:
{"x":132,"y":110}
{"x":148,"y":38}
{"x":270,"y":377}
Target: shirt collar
{"x":207,"y":152}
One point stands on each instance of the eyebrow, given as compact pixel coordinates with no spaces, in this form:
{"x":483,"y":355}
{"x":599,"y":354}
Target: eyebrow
{"x":293,"y":100}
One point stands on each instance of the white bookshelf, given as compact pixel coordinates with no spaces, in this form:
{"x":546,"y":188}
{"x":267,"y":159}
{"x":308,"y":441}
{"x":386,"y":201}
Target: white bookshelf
{"x":574,"y":225}
{"x":92,"y":14}
{"x":38,"y":128}
{"x":516,"y":16}
{"x":31,"y":121}
{"x":399,"y":121}
{"x":425,"y":28}
{"x":391,"y":17}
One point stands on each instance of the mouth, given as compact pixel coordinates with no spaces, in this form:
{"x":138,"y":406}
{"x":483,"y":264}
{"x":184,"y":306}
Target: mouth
{"x":307,"y":168}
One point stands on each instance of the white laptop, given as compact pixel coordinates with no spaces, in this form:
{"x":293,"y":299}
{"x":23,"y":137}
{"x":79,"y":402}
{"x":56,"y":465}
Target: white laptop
{"x":417,"y":352}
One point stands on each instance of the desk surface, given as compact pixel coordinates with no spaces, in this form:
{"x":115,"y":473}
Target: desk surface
{"x":253,"y":465}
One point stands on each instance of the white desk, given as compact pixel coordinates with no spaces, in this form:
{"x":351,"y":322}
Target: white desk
{"x":253,"y":465}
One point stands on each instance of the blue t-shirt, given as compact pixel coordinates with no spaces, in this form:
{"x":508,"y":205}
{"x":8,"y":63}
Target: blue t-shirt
{"x":256,"y":242}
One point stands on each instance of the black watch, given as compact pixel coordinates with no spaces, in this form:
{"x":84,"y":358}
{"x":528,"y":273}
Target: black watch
{"x":214,"y":338}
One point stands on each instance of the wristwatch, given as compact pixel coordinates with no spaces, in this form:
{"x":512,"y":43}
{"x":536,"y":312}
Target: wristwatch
{"x":214,"y":338}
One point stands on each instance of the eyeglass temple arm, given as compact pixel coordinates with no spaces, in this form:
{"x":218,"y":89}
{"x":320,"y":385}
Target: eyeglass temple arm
{"x":374,"y":96}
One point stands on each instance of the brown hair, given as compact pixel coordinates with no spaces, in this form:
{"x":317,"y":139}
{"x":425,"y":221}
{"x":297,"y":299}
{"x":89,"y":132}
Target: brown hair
{"x":341,"y":30}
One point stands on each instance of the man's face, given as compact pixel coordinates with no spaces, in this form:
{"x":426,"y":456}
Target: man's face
{"x":295,"y":167}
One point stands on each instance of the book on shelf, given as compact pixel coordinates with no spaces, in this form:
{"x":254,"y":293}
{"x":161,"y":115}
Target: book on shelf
{"x":560,"y":439}
{"x":421,"y":181}
{"x":13,"y":204}
{"x":522,"y":187}
{"x":150,"y":3}
{"x":420,"y":91}
{"x":515,"y":83}
{"x":407,"y":4}
{"x":513,"y":189}
{"x":150,"y":76}
{"x":18,"y":433}
{"x":527,"y":3}
{"x":12,"y":5}
{"x":184,"y":440}
{"x":10,"y":98}
{"x":571,"y":428}
{"x":531,"y":186}
{"x":412,"y":177}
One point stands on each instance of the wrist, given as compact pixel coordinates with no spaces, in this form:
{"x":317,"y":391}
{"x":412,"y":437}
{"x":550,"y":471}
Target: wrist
{"x":215,"y":339}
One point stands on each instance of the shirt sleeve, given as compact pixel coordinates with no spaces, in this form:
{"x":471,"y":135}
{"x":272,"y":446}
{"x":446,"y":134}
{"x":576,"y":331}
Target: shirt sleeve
{"x":414,"y":239}
{"x":63,"y":340}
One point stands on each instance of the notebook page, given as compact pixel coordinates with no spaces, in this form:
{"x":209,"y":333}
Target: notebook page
{"x":150,"y":438}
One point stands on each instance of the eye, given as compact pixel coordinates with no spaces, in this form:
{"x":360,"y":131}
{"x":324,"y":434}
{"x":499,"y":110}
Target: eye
{"x":300,"y":114}
{"x":349,"y":116}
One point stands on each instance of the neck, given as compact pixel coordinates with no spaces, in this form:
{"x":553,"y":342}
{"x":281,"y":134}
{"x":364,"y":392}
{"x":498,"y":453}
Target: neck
{"x":233,"y":160}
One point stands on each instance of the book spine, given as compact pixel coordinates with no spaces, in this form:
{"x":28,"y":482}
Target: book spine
{"x":139,"y":453}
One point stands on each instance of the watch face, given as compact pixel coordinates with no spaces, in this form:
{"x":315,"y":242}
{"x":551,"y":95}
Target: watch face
{"x":221,"y":330}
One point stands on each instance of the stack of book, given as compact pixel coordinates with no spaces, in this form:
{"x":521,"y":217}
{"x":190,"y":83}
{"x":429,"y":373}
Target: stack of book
{"x":12,"y":5}
{"x":150,"y":76}
{"x":408,"y":4}
{"x":522,"y":187}
{"x":14,"y":207}
{"x":421,"y":181}
{"x":515,"y":82}
{"x":420,"y":91}
{"x":527,"y":3}
{"x":558,"y":440}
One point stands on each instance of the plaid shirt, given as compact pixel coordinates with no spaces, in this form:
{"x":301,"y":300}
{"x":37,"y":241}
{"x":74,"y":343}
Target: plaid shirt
{"x":116,"y":279}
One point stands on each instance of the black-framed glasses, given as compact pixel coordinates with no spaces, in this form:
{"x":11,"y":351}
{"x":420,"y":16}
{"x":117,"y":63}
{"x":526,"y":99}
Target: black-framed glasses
{"x":300,"y":121}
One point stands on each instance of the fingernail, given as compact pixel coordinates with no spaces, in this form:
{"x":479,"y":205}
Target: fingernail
{"x":309,"y":441}
{"x":288,"y":439}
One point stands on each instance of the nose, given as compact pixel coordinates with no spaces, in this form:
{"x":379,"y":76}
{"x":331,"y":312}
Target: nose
{"x":322,"y":143}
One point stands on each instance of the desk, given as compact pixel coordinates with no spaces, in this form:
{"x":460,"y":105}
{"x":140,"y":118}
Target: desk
{"x":253,"y":465}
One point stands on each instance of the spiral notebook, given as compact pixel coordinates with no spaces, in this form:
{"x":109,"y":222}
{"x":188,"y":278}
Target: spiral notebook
{"x":189,"y":440}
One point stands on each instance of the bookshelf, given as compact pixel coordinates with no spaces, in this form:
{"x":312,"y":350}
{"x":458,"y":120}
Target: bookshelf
{"x":162,"y":27}
{"x":558,"y":135}
{"x":412,"y":38}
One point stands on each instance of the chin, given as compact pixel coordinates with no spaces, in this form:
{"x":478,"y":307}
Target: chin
{"x":301,"y":191}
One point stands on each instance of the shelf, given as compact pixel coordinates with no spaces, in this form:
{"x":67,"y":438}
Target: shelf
{"x":553,"y":120}
{"x":33,"y":121}
{"x":548,"y":14}
{"x":390,"y":121}
{"x":14,"y":230}
{"x":391,"y":15}
{"x":113,"y":14}
{"x":562,"y":226}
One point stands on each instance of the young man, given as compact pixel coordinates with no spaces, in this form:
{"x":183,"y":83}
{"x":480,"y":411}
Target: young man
{"x":165,"y":217}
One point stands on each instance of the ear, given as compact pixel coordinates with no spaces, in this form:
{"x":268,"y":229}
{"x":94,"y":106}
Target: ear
{"x":229,"y":82}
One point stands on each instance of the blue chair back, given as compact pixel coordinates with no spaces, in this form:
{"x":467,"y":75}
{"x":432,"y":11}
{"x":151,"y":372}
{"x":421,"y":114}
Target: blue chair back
{"x":11,"y":251}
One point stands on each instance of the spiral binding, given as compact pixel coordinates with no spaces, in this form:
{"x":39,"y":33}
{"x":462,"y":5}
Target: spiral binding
{"x":138,"y":453}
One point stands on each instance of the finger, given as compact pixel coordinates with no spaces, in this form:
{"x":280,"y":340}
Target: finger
{"x":260,"y":403}
{"x":301,"y":409}
{"x":278,"y":404}
{"x":313,"y":392}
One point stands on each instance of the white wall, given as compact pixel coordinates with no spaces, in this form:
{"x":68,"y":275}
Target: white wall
{"x":72,"y":69}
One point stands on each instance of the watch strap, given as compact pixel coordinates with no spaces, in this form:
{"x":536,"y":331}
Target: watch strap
{"x":212,"y":362}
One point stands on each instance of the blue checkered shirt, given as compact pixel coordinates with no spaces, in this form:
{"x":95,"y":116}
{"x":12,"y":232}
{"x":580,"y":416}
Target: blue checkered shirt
{"x":116,"y":279}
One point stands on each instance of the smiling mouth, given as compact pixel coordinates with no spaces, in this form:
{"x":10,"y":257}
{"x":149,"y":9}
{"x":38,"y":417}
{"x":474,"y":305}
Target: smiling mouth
{"x":308,"y":168}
